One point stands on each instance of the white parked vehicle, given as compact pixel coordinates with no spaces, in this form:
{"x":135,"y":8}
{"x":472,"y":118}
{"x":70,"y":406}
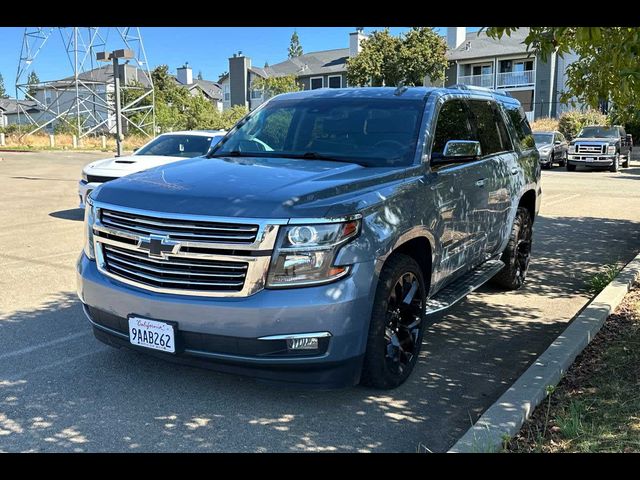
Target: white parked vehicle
{"x":165,"y":148}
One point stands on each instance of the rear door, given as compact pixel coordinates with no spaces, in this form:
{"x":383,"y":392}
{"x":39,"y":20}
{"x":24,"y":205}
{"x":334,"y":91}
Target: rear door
{"x":499,"y":160}
{"x":459,"y":194}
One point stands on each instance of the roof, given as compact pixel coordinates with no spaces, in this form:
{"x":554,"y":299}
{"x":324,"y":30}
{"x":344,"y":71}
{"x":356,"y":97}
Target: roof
{"x":411,"y":93}
{"x":211,"y":89}
{"x":198,"y":133}
{"x":99,"y":75}
{"x":10,"y":105}
{"x":478,"y":44}
{"x":313,"y":63}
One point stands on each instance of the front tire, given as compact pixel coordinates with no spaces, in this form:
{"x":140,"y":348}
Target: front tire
{"x":397,"y":324}
{"x":517,"y":254}
{"x":571,"y":168}
{"x":627,"y":159}
{"x":616,"y":164}
{"x":563,"y":161}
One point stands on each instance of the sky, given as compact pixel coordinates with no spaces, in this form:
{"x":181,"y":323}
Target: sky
{"x":207,"y":49}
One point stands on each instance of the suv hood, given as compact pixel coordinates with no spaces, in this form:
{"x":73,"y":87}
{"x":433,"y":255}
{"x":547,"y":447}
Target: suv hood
{"x":119,"y":166}
{"x":593,"y":139}
{"x":248,"y":187}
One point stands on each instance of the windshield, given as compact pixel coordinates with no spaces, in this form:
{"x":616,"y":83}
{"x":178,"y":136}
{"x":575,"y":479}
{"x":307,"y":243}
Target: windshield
{"x":543,"y":138}
{"x":186,"y":146}
{"x":373,"y":132}
{"x":598,"y":132}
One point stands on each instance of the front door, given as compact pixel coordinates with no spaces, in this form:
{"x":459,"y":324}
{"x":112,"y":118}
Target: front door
{"x":459,"y":195}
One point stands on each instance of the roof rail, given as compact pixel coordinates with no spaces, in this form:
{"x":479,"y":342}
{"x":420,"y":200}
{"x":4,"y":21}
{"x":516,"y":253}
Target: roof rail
{"x":461,"y":86}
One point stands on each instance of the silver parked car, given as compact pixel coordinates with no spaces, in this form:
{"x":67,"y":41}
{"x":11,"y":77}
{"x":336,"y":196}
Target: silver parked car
{"x":553,"y":148}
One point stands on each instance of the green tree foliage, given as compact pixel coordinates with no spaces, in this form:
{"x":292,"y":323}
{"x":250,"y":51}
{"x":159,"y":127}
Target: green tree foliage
{"x":571,"y":122}
{"x":3,"y":90}
{"x":32,"y":81}
{"x":409,"y":58}
{"x":295,"y":49}
{"x":272,"y":86}
{"x":607,"y":67}
{"x":177,"y":109}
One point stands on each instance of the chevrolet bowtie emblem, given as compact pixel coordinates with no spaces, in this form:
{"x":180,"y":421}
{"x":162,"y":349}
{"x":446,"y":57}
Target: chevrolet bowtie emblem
{"x":157,"y":245}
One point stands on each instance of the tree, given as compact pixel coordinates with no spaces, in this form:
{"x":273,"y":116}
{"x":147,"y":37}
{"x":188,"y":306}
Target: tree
{"x":295,"y":49}
{"x":199,"y":77}
{"x":408,"y":58}
{"x":32,"y":81}
{"x":607,"y":67}
{"x":3,"y":91}
{"x":272,"y":86}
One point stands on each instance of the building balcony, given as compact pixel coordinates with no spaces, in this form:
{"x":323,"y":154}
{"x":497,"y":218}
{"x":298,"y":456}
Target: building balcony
{"x":516,"y":79}
{"x":485,"y":80}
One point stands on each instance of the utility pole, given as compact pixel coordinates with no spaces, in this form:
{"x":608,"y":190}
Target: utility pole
{"x":114,"y":56}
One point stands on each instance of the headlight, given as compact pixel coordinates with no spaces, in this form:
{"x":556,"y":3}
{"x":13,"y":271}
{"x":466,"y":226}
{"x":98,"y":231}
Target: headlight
{"x":572,"y":149}
{"x":89,"y":220}
{"x":611,"y":149}
{"x":84,"y":176}
{"x":305,"y":254}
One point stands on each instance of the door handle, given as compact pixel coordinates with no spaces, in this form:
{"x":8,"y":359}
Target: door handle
{"x":514,"y":171}
{"x":480,"y":183}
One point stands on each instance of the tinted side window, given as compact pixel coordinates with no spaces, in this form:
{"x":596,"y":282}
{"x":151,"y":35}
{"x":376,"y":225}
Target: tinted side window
{"x":453,"y":124}
{"x":523,"y":137}
{"x":490,"y":128}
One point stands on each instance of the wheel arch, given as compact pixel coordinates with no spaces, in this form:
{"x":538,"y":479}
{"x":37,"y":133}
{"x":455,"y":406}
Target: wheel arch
{"x":417,"y":243}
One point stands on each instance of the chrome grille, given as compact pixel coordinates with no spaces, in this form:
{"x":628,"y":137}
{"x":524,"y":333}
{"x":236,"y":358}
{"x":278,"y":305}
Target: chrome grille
{"x":591,"y":148}
{"x":178,"y":229}
{"x":175,"y":273}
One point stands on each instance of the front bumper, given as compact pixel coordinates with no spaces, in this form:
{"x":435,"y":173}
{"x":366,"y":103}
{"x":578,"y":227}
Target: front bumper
{"x":84,"y":189}
{"x":223,"y":333}
{"x":591,"y":160}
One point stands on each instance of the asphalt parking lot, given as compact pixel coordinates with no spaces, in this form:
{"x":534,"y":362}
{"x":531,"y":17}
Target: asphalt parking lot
{"x":62,"y":390}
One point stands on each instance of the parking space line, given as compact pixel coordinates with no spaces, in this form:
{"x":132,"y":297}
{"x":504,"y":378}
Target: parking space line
{"x":563,"y":199}
{"x":19,"y":376}
{"x":43,"y":345}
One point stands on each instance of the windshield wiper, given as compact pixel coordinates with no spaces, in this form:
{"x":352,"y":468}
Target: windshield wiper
{"x":233,"y":153}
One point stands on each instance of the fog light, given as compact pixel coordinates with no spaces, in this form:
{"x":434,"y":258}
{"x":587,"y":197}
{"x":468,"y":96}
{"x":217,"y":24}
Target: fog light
{"x":310,"y":343}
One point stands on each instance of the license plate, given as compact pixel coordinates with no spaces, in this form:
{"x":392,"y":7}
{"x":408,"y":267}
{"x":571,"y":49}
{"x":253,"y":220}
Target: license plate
{"x":590,"y":159}
{"x":152,"y":334}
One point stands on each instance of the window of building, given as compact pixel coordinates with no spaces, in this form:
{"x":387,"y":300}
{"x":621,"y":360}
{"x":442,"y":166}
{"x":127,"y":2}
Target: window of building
{"x":335,"y":81}
{"x":317,"y":82}
{"x":227,"y":93}
{"x":256,"y":94}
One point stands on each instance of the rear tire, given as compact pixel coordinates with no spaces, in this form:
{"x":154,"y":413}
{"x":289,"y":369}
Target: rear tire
{"x":517,"y":254}
{"x":396,"y":328}
{"x":563,"y":161}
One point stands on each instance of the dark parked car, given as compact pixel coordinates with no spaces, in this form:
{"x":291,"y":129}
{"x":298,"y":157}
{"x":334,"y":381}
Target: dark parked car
{"x":600,"y":146}
{"x":320,"y":236}
{"x":553,"y":148}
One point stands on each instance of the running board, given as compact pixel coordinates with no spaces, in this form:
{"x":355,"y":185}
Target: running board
{"x":460,"y":288}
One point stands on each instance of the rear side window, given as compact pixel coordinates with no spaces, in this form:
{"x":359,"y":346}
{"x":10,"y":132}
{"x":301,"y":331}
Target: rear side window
{"x":524,"y":137}
{"x":488,"y":122}
{"x":452,"y":124}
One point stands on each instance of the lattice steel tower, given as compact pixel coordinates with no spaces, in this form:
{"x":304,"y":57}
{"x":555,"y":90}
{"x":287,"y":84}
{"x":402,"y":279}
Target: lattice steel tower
{"x":83,"y":99}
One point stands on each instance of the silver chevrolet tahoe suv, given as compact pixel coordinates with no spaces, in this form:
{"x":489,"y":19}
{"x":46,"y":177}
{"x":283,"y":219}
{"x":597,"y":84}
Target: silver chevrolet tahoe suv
{"x":319,"y":238}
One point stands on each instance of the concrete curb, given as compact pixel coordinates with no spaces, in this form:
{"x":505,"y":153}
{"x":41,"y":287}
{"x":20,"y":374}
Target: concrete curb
{"x":509,"y":412}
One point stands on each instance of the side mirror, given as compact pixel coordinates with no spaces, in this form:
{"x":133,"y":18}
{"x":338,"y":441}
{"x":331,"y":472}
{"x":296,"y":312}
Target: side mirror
{"x":629,"y":138}
{"x":458,"y":151}
{"x":557,"y":142}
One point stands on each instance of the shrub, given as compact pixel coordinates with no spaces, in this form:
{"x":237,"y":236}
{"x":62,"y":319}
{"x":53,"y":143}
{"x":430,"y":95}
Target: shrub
{"x":571,"y":122}
{"x":544,"y":124}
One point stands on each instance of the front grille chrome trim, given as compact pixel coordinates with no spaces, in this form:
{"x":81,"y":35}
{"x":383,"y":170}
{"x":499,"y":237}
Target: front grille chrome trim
{"x":240,"y":274}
